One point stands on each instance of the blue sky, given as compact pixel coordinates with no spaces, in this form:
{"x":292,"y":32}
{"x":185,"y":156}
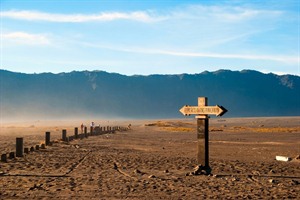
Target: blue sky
{"x":150,"y":37}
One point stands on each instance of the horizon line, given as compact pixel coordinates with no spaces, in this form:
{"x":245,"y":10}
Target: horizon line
{"x":205,"y":71}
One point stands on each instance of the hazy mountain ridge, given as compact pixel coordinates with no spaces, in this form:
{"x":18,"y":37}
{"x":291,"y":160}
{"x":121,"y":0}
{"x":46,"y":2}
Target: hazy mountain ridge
{"x":98,"y":93}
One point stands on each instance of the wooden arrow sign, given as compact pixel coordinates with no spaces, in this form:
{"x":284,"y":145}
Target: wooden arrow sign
{"x":203,"y":110}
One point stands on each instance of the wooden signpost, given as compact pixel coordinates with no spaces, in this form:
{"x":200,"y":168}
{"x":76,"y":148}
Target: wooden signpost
{"x":202,"y":111}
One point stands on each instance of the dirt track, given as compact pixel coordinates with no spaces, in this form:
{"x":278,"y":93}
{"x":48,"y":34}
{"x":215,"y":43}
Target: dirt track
{"x":151,"y":162}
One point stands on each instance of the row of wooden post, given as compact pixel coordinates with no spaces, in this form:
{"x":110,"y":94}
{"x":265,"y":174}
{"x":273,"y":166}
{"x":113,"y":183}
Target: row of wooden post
{"x":20,"y":150}
{"x":93,"y":132}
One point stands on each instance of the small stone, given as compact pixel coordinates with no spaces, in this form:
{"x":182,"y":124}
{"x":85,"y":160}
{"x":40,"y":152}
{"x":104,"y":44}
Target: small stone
{"x":283,"y":158}
{"x":204,"y":172}
{"x":115,"y":166}
{"x":271,"y":181}
{"x":216,"y":176}
{"x":137,"y":171}
{"x":151,"y":176}
{"x":255,"y":173}
{"x":166,"y":171}
{"x":198,"y":168}
{"x":235,"y":179}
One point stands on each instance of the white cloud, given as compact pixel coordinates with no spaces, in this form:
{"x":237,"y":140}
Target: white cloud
{"x":285,"y":59}
{"x":276,"y":58}
{"x":222,"y":13}
{"x":240,"y":14}
{"x":142,"y":16}
{"x":26,"y":38}
{"x":279,"y":58}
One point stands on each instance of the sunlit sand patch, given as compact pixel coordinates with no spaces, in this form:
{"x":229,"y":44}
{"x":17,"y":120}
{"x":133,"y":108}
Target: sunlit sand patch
{"x":267,"y":129}
{"x":277,"y":129}
{"x":254,"y":143}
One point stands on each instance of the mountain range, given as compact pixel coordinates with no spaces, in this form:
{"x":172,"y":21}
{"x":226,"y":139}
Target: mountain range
{"x":88,"y":94}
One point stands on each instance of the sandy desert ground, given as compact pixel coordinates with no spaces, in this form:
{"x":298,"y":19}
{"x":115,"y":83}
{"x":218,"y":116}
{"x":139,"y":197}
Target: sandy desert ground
{"x":152,"y":160}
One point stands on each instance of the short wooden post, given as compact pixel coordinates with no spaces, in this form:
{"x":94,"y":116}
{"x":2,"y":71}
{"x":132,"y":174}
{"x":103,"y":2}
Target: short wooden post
{"x":91,"y":130}
{"x":85,"y":132}
{"x":11,"y":155}
{"x":64,"y":135}
{"x":26,"y":150}
{"x":4,"y":157}
{"x":31,"y":149}
{"x":43,"y":146}
{"x":37,"y":147}
{"x":76,"y":133}
{"x":47,"y":138}
{"x":19,"y":147}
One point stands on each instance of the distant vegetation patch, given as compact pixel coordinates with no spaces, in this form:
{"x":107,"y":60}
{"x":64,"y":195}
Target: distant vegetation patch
{"x":179,"y":129}
{"x":214,"y":129}
{"x":173,"y":126}
{"x":159,"y":124}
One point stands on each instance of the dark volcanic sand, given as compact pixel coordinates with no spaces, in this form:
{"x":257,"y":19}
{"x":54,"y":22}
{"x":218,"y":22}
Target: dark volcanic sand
{"x":151,"y":162}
